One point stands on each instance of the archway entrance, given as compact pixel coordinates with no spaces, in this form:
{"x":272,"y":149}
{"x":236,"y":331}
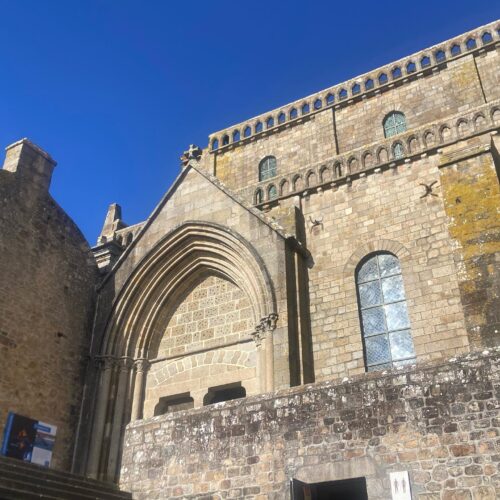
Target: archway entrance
{"x":344,"y":489}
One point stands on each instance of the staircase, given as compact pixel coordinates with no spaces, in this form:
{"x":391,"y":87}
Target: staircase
{"x":23,"y":481}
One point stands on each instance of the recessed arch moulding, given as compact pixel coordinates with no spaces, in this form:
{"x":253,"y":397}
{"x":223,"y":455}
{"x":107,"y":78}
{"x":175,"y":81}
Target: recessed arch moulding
{"x":140,"y":298}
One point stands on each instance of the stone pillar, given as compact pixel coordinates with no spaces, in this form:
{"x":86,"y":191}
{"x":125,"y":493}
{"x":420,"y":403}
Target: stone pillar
{"x":141,"y":368}
{"x":263,"y":337}
{"x":122,"y":389}
{"x":96,"y":439}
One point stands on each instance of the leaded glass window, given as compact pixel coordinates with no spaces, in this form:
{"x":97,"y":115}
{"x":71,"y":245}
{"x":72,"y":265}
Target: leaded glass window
{"x":267,"y":168}
{"x":398,"y":151}
{"x":394,"y":123}
{"x":385,"y":324}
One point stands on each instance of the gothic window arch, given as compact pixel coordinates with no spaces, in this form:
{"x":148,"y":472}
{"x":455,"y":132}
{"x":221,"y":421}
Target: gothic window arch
{"x":267,"y":168}
{"x":394,"y":123}
{"x":258,"y":197}
{"x":385,"y":325}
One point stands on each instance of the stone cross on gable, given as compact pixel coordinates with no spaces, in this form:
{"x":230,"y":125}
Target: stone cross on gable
{"x":193,"y":153}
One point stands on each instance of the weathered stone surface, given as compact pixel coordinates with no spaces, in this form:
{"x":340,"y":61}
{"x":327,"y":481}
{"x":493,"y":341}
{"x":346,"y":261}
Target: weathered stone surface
{"x":47,"y":279}
{"x":296,"y":437}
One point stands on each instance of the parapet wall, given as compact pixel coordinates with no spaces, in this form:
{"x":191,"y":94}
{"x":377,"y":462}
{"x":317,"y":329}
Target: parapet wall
{"x":383,"y":78}
{"x":439,"y":422}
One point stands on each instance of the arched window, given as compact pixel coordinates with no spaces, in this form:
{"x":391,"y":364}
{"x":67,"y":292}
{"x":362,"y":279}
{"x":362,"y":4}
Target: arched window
{"x":267,"y":168}
{"x":383,"y":312}
{"x":455,"y":50}
{"x":397,"y":151}
{"x":425,"y":62}
{"x":411,"y":67}
{"x":215,"y":144}
{"x":293,"y":113}
{"x":272,"y":192}
{"x":394,"y":123}
{"x":486,"y":37}
{"x":258,"y":197}
{"x":440,"y":55}
{"x":471,"y":44}
{"x":396,"y":72}
{"x":369,"y":84}
{"x":247,"y":132}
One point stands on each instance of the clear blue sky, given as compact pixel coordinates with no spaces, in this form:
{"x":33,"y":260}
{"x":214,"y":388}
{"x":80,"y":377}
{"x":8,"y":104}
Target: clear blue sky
{"x":115,"y":90}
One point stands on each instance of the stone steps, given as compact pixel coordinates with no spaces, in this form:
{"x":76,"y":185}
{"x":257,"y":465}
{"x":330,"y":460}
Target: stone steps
{"x":20,"y":480}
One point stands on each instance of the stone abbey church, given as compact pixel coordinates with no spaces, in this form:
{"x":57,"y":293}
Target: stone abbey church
{"x":311,"y":311}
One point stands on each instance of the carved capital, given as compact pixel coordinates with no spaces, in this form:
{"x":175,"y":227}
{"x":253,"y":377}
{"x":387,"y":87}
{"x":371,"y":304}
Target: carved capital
{"x":125,"y":363}
{"x":266,"y":326}
{"x":141,"y":365}
{"x":104,"y":363}
{"x":268,"y":323}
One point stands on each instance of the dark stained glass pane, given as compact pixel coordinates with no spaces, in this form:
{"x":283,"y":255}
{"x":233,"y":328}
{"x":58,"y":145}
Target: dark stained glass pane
{"x":370,"y":294}
{"x":377,"y":350}
{"x":368,"y":271}
{"x":373,"y":321}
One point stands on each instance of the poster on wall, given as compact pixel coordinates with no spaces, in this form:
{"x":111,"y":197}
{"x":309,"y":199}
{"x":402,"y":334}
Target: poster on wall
{"x":28,"y":440}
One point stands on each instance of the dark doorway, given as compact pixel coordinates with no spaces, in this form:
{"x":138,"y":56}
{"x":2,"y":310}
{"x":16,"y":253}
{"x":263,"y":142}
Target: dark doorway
{"x":344,"y":489}
{"x":171,"y":404}
{"x":224,"y":393}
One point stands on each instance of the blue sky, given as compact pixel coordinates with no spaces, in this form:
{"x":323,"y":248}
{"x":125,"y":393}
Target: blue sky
{"x":115,"y":90}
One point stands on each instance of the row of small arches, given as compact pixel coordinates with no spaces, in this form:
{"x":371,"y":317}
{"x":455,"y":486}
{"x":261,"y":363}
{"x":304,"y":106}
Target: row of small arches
{"x":355,"y":163}
{"x":125,"y":239}
{"x":395,"y":73}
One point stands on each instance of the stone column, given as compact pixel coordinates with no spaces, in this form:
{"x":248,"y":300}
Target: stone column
{"x":105,"y":366}
{"x":122,"y":388}
{"x":263,"y":337}
{"x":141,"y":368}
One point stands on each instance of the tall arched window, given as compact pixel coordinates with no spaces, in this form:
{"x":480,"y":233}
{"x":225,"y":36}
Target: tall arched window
{"x":267,"y":168}
{"x":394,"y":123}
{"x":384,"y":318}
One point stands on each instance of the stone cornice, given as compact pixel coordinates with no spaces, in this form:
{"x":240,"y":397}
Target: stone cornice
{"x":330,"y":97}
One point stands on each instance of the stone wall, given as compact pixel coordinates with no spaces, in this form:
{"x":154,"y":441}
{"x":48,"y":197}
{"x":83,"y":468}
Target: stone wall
{"x":440,"y":422}
{"x":454,"y":85}
{"x":383,"y":211}
{"x":47,"y":279}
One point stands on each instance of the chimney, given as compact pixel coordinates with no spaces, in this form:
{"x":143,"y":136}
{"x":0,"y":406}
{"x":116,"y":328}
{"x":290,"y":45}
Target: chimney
{"x":29,"y":163}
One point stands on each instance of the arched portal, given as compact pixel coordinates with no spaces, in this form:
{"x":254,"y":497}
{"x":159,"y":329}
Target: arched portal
{"x":142,"y":313}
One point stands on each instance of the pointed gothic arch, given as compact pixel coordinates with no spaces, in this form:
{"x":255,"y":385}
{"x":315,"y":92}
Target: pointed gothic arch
{"x":190,"y":250}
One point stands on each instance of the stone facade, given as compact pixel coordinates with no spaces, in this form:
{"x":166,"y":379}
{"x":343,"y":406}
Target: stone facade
{"x":352,"y":231}
{"x":240,"y":281}
{"x":48,"y":275}
{"x":441,"y":423}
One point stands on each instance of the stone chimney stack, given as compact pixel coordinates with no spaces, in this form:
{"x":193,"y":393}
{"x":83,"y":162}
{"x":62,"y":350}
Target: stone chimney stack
{"x":31,"y":164}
